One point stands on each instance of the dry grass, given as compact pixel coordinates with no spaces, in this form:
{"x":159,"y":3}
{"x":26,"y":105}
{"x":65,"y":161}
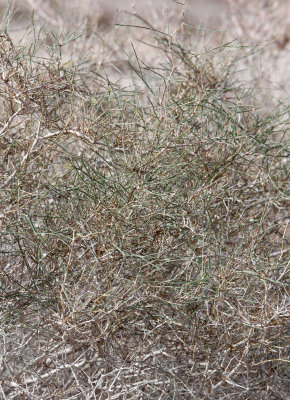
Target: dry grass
{"x":144,"y":242}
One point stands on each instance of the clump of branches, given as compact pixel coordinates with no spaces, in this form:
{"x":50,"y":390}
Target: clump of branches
{"x":143,"y":230}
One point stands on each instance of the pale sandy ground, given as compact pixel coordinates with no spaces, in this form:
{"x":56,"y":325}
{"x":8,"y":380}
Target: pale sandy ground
{"x":261,"y":22}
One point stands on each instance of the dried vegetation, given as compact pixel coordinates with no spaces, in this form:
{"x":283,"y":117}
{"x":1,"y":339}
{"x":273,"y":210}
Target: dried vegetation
{"x":143,"y":228}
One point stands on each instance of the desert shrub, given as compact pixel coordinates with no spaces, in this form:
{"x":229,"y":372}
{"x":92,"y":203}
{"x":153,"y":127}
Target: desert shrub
{"x":143,"y":229}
